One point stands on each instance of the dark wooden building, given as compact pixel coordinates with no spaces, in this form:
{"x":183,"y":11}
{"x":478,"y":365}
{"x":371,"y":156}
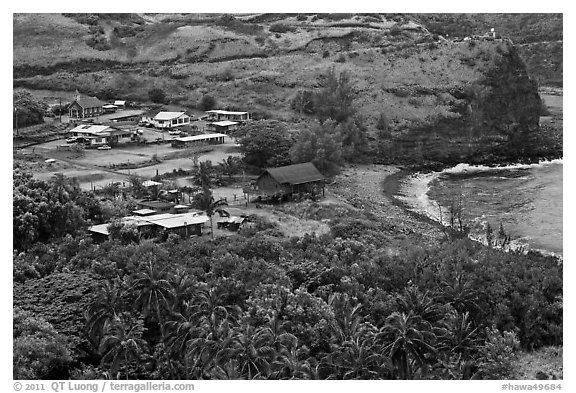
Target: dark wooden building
{"x":290,"y":179}
{"x":83,"y":107}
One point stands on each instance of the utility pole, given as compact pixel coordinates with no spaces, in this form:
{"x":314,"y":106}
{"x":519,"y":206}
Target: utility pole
{"x":60,"y":110}
{"x":16,"y":116}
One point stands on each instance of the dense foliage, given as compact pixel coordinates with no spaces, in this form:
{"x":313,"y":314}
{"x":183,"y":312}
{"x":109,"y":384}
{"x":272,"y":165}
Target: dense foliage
{"x":265,"y":143}
{"x":258,"y":305}
{"x":28,"y":110}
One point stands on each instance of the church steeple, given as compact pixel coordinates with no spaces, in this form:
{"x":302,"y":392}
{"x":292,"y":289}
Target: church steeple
{"x":77,"y":95}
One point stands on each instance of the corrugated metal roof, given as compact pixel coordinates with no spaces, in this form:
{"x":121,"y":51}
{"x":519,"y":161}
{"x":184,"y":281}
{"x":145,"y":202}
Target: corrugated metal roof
{"x":198,"y":137}
{"x":177,"y":220}
{"x":144,"y":212}
{"x":221,"y":112}
{"x":168,"y":115}
{"x":89,"y":102}
{"x":295,"y":174}
{"x":119,"y":102}
{"x":91,"y":129}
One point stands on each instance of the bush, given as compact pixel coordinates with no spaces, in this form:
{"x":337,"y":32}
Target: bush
{"x":157,"y":95}
{"x":281,"y":28}
{"x":207,"y":103}
{"x":325,"y":54}
{"x":395,"y":30}
{"x":301,"y":17}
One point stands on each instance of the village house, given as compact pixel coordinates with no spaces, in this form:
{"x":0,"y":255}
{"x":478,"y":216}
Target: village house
{"x":109,"y":108}
{"x":83,"y":107}
{"x":288,"y":180}
{"x":223,"y":127}
{"x":196,"y":140}
{"x":150,"y":225}
{"x":97,"y":135}
{"x":120,"y":104}
{"x":220,"y":115}
{"x":167,"y":120}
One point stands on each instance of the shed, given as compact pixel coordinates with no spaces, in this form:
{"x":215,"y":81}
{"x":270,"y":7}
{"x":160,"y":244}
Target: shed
{"x":203,"y":139}
{"x":224,"y":126}
{"x":109,"y":108}
{"x":290,"y":179}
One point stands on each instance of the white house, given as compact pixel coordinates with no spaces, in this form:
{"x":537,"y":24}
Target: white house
{"x":224,"y":126}
{"x":220,"y":115}
{"x":100,"y":135}
{"x":170,"y":119}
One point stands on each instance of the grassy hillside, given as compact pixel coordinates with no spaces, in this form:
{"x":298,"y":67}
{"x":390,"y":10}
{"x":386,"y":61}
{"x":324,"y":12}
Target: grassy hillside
{"x":260,"y":62}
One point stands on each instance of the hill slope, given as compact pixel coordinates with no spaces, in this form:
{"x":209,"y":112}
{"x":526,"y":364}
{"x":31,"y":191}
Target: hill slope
{"x":445,"y":100}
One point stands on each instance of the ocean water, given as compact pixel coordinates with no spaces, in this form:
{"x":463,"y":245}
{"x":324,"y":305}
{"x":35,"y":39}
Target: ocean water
{"x":525,"y":199}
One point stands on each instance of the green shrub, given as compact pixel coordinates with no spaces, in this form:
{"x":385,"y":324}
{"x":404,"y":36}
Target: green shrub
{"x":207,"y":103}
{"x":157,"y":95}
{"x":281,"y":28}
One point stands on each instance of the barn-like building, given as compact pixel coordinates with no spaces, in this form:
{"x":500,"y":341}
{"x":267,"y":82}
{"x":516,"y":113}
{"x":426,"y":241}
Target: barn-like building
{"x":291,"y":179}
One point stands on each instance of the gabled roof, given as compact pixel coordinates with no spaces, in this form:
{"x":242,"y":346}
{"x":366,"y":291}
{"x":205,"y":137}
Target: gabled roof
{"x":168,"y":115}
{"x":295,"y":174}
{"x":88,"y":102}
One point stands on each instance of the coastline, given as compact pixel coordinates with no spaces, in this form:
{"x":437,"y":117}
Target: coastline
{"x":407,"y":189}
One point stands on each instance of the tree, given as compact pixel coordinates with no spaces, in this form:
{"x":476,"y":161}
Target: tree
{"x":354,"y":139}
{"x":38,"y":351}
{"x":383,"y":136}
{"x":265,"y":143}
{"x":303,"y":102}
{"x":157,"y":95}
{"x":28,"y":110}
{"x":122,"y":344}
{"x":230,"y":166}
{"x":155,"y":293}
{"x":207,"y":102}
{"x":203,"y":174}
{"x":322,"y":145}
{"x":205,"y":201}
{"x":407,"y":338}
{"x":335,"y":99}
{"x":44,"y":210}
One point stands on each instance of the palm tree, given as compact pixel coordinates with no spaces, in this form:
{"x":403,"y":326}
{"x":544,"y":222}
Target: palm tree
{"x":205,"y":201}
{"x":407,"y":338}
{"x":252,"y":352}
{"x":230,"y":166}
{"x":202,"y":173}
{"x":460,"y":294}
{"x":120,"y":345}
{"x":154,"y":293}
{"x":103,"y":309}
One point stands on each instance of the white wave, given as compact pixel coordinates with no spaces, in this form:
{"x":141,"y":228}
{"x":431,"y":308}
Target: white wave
{"x":414,"y":192}
{"x":467,"y":168}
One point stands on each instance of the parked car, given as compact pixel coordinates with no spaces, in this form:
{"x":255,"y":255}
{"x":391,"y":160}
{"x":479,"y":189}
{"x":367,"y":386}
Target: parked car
{"x":104,"y":147}
{"x":71,"y":140}
{"x":174,"y":132}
